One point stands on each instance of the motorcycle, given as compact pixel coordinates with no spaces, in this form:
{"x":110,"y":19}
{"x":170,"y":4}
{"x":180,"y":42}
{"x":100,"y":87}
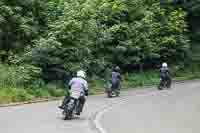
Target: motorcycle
{"x":111,"y":92}
{"x":164,"y":84}
{"x":72,"y":106}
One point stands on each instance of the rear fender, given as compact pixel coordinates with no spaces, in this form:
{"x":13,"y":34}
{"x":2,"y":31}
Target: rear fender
{"x":71,"y":104}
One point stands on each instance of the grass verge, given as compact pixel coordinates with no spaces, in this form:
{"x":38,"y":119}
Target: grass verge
{"x":9,"y":94}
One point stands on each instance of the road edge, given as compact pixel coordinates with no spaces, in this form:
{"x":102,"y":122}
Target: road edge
{"x":31,"y":102}
{"x":59,"y":98}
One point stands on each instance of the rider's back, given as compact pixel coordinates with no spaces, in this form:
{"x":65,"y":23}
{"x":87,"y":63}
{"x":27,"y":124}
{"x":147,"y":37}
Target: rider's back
{"x":78,"y":84}
{"x":116,"y":77}
{"x":164,"y":72}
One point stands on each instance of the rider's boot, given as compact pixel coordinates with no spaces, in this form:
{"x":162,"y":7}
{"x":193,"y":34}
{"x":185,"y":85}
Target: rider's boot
{"x":64,"y":102}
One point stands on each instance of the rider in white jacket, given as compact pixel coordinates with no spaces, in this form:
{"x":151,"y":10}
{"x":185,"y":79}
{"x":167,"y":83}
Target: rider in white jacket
{"x":78,"y":90}
{"x":78,"y":85}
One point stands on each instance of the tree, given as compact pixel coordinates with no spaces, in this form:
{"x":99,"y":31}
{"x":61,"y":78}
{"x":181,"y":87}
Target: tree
{"x":94,"y":34}
{"x":20,"y":23}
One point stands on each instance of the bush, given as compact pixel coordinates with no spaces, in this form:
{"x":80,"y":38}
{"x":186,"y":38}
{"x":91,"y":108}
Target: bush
{"x":8,"y":95}
{"x":57,"y":92}
{"x":96,"y":86}
{"x":89,"y":35}
{"x":133,"y":80}
{"x":92,"y":35}
{"x":39,"y":92}
{"x":8,"y":76}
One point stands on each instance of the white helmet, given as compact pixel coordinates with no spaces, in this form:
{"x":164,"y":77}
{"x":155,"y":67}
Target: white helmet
{"x":164,"y":64}
{"x":81,"y":73}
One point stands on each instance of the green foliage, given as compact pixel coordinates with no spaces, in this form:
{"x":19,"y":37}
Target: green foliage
{"x":45,"y":40}
{"x":28,"y":75}
{"x":193,"y":7}
{"x":148,"y":78}
{"x":20,"y":23}
{"x":19,"y":76}
{"x":9,"y":77}
{"x":92,"y":35}
{"x":57,"y":92}
{"x":39,"y":92}
{"x":8,"y":95}
{"x":22,"y":83}
{"x":96,"y":86}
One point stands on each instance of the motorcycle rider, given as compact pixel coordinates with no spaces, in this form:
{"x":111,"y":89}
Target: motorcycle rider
{"x":115,"y":78}
{"x":78,"y":86}
{"x":165,"y":75}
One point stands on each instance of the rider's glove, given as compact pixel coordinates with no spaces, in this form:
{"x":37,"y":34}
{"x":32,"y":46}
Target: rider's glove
{"x":69,"y":87}
{"x":86,"y":92}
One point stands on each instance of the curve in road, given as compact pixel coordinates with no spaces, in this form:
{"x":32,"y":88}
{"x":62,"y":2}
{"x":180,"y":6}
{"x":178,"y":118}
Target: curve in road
{"x":140,"y":111}
{"x":168,"y":111}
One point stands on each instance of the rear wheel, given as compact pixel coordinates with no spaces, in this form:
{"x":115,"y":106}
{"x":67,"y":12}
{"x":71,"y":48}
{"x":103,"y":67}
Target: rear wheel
{"x":68,"y":116}
{"x":160,"y":86}
{"x":109,"y":94}
{"x":168,"y":84}
{"x":117,"y":94}
{"x":68,"y":111}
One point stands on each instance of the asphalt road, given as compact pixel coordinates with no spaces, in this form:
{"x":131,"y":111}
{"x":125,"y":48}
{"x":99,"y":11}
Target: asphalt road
{"x":172,"y":111}
{"x":47,"y":118}
{"x":142,"y":111}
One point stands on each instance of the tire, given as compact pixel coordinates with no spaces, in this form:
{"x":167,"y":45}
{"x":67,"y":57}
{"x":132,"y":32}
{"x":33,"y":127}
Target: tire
{"x":161,"y":85}
{"x":68,"y":116}
{"x":109,"y":94}
{"x":168,"y":84}
{"x":68,"y":111}
{"x":117,"y":93}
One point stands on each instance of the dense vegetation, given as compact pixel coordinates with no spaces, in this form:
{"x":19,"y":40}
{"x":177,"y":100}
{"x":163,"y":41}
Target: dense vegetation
{"x":46,"y":41}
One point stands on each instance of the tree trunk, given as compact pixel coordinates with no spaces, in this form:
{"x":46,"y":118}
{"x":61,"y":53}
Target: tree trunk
{"x":141,"y":68}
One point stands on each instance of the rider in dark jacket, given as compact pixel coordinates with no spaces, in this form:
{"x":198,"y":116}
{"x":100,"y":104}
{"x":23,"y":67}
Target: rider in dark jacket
{"x":116,"y":78}
{"x":165,"y":75}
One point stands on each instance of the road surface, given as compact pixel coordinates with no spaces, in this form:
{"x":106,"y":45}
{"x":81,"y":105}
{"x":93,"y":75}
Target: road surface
{"x":142,"y":111}
{"x":173,"y":111}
